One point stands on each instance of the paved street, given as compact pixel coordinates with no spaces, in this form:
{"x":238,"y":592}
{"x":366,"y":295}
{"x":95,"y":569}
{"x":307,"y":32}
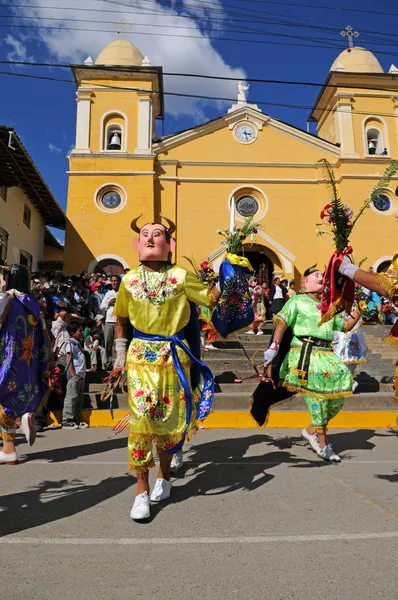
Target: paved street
{"x":255,"y":515}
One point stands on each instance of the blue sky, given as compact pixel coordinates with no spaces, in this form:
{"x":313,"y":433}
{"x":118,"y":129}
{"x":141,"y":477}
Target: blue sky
{"x":43,"y":112}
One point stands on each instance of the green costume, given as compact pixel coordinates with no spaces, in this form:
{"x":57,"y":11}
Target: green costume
{"x":310,"y":366}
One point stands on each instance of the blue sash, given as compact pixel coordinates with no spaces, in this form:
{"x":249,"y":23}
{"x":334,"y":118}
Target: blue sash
{"x":207,"y":396}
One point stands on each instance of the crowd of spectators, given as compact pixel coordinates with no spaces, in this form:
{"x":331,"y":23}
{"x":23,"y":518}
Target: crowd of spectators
{"x":86,"y":300}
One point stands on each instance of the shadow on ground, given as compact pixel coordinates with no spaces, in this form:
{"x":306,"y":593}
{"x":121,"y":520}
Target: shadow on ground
{"x":50,"y":501}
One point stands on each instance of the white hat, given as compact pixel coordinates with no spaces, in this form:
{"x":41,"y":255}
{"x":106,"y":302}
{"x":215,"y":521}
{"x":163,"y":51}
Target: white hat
{"x":99,"y":318}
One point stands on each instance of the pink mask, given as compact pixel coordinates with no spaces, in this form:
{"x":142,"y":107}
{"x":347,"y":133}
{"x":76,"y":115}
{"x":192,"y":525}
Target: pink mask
{"x":152,"y":243}
{"x":314,"y":282}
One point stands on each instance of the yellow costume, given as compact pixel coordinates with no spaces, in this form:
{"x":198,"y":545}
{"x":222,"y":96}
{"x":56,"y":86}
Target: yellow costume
{"x":157,"y":304}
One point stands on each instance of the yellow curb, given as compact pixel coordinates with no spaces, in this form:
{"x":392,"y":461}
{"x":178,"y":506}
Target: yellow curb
{"x":242,"y":420}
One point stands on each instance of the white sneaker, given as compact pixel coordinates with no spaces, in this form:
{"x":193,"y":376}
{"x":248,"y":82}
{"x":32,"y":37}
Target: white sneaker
{"x":8,"y":459}
{"x":313,"y":439}
{"x":259,"y":332}
{"x":28,"y":427}
{"x":141,"y":508}
{"x":83,"y":425}
{"x":250,"y":332}
{"x":327,"y":453}
{"x":210,"y":347}
{"x":355,"y":384}
{"x":161,"y":491}
{"x":176,"y":462}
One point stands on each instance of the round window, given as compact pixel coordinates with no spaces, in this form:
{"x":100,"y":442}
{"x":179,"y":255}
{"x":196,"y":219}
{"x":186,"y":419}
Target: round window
{"x":247,"y":206}
{"x":111,"y":199}
{"x":382,"y":203}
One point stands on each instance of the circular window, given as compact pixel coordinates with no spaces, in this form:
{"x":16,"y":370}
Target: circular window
{"x":247,"y":206}
{"x":382,"y":203}
{"x":111,"y":199}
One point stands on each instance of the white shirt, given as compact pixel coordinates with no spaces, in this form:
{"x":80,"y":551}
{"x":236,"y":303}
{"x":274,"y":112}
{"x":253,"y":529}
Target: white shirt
{"x":278,"y":293}
{"x":79,"y":360}
{"x":110,"y":317}
{"x":61,"y":336}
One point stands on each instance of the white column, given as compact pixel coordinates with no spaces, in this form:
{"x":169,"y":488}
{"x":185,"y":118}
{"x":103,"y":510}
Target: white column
{"x":346,"y":126}
{"x":395,"y":101}
{"x":144,"y":136}
{"x":83,"y":99}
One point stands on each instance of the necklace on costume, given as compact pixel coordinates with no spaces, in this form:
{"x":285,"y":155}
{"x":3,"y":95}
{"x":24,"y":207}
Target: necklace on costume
{"x":155,"y":295}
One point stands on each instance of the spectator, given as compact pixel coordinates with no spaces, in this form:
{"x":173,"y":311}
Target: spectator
{"x":387,"y":311}
{"x":95,"y":299}
{"x":277,"y":296}
{"x":76,"y":375}
{"x":107,"y":305}
{"x":93,"y":348}
{"x":291,"y":291}
{"x":61,"y":336}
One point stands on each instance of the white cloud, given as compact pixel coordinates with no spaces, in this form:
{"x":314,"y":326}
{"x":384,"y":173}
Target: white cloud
{"x":18,"y":51}
{"x":174,"y":54}
{"x":54,"y":148}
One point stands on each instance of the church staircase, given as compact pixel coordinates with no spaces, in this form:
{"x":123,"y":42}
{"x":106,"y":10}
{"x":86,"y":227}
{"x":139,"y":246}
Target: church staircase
{"x":374,"y":392}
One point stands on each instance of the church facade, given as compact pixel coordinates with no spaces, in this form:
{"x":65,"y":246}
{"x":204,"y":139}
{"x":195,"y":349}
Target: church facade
{"x":244,"y":159}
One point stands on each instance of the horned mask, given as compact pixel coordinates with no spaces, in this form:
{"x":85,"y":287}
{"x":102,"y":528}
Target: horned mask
{"x":154,"y":241}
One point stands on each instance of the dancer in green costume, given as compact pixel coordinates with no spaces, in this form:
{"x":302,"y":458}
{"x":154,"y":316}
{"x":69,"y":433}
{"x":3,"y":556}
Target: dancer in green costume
{"x":311,"y":367}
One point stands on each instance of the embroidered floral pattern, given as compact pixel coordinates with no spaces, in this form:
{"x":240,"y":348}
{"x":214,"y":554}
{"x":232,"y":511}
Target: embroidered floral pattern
{"x":149,"y":290}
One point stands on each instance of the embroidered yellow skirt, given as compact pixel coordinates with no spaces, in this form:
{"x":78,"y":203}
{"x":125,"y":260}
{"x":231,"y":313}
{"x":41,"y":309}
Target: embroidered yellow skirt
{"x":156,"y":401}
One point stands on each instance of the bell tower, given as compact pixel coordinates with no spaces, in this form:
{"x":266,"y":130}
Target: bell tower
{"x":111,"y":169}
{"x":357,"y":106}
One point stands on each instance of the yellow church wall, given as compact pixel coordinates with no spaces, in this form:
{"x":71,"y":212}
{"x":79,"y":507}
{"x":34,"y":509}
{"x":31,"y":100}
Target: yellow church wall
{"x":271,"y":146}
{"x":290,"y":220}
{"x":327,"y":127}
{"x":92,"y":233}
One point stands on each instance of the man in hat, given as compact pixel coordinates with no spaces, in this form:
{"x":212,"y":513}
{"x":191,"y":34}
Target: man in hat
{"x":311,"y":367}
{"x":24,"y":354}
{"x":164,"y":399}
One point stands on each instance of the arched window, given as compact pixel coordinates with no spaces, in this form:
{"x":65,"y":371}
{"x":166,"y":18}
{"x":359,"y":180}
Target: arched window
{"x":374,"y":141}
{"x":383,"y":267}
{"x":375,"y":137}
{"x":114,"y":132}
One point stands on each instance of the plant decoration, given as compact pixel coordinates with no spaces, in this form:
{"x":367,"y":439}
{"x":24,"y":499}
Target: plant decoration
{"x":204,"y":272}
{"x":338,"y":293}
{"x":234,"y":240}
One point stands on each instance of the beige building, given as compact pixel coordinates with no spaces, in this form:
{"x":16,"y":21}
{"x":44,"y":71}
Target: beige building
{"x":27,"y":207}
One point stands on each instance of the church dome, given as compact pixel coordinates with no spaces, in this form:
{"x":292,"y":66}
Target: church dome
{"x":357,"y":60}
{"x":120,"y":53}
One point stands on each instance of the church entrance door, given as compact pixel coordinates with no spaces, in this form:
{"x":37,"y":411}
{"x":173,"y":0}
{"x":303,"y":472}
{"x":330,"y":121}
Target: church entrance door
{"x":262,"y":265}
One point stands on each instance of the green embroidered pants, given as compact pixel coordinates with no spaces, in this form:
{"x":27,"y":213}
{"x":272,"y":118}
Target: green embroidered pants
{"x":322,"y":410}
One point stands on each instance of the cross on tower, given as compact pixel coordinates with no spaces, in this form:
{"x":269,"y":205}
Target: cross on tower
{"x":123,"y":26}
{"x":350,"y":34}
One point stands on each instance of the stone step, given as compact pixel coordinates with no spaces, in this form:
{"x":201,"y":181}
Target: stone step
{"x":236,"y":401}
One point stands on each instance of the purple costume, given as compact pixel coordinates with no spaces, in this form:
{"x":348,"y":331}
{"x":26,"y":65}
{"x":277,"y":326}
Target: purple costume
{"x":23,"y":357}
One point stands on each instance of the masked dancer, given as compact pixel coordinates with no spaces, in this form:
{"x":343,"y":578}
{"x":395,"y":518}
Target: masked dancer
{"x":311,"y":367}
{"x":24,"y":353}
{"x":158,"y":299}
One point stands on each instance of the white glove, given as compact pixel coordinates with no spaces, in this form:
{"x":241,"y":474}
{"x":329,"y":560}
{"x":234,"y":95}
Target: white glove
{"x":121,"y":353}
{"x":270,"y":354}
{"x":347,"y":268}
